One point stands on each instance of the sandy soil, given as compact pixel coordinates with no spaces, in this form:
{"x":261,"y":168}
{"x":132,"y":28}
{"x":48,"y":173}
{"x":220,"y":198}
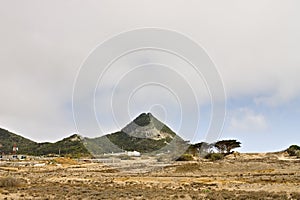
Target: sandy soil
{"x":247,"y":176}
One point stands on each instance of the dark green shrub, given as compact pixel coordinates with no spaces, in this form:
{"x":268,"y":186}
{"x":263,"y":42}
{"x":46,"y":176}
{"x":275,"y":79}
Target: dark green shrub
{"x":214,"y":156}
{"x":161,"y":159}
{"x":125,"y":157}
{"x":185,"y":157}
{"x":294,"y":150}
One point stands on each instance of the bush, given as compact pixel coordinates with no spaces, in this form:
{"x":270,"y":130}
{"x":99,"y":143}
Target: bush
{"x":214,"y":156}
{"x":125,"y":157}
{"x":9,"y":182}
{"x":185,"y":157}
{"x":160,"y":159}
{"x":294,"y":150}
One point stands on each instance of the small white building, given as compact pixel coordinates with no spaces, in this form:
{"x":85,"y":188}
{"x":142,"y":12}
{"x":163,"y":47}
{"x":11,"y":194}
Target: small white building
{"x":133,"y":153}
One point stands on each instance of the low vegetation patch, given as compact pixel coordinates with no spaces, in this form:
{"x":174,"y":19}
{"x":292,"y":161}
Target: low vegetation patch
{"x":214,"y":156}
{"x":188,"y":167}
{"x":67,"y":161}
{"x":125,"y":157}
{"x":235,"y":194}
{"x":294,"y":150}
{"x":9,"y":182}
{"x":185,"y":157}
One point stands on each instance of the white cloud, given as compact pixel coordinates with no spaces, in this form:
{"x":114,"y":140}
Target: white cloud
{"x":255,"y":45}
{"x":246,"y":120}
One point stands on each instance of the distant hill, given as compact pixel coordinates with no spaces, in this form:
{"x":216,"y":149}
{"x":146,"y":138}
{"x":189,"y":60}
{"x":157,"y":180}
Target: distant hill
{"x":145,"y":134}
{"x":72,"y":145}
{"x":8,"y":139}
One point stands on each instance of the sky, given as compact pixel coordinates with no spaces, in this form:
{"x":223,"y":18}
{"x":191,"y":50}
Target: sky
{"x":254,"y":46}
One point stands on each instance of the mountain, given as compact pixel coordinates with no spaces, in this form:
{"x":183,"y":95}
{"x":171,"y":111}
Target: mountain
{"x":147,"y":126}
{"x":8,"y":139}
{"x":72,"y":145}
{"x":145,"y":134}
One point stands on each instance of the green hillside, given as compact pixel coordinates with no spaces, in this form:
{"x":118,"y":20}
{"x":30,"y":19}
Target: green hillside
{"x":72,"y":145}
{"x":158,"y":138}
{"x":8,"y":139}
{"x":145,"y":134}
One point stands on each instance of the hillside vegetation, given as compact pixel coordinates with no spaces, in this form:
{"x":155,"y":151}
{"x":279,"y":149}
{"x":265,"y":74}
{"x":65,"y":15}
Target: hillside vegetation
{"x":294,"y":150}
{"x":145,"y":134}
{"x":72,"y":146}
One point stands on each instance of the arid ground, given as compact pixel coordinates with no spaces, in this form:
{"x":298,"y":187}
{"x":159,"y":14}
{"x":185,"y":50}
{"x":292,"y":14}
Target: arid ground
{"x":245,"y":176}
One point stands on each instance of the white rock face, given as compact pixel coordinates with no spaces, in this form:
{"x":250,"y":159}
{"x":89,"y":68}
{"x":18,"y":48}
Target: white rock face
{"x":146,"y":126}
{"x":76,"y":138}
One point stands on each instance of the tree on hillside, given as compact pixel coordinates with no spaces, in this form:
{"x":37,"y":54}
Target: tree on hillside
{"x":199,"y":149}
{"x":225,"y":146}
{"x":294,"y":150}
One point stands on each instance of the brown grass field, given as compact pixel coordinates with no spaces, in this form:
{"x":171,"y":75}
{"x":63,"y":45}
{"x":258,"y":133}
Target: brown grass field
{"x":247,"y":176}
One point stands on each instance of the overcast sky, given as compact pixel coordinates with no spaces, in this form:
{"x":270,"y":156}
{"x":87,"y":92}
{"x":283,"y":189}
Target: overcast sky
{"x":255,"y":46}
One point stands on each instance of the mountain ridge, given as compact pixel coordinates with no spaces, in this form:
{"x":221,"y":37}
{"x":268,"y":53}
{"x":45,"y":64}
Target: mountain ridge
{"x":145,"y":134}
{"x":71,"y":145}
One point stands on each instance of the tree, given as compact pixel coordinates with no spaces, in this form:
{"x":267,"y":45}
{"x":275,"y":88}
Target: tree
{"x":199,"y":149}
{"x":225,"y":146}
{"x":294,"y":150}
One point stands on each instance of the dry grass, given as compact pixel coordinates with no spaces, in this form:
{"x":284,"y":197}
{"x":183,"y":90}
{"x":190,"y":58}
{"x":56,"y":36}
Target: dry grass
{"x":9,"y":182}
{"x":225,"y":194}
{"x":67,"y":161}
{"x":189,"y":167}
{"x":227,"y":179}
